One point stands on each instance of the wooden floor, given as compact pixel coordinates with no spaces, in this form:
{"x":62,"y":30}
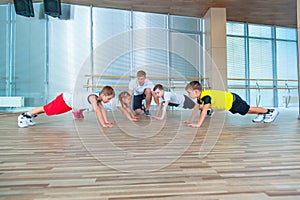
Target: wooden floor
{"x":228,"y":158}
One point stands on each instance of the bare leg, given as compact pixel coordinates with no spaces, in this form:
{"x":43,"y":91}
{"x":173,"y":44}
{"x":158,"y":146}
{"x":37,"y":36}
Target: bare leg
{"x":148,"y":94}
{"x":257,"y":110}
{"x":200,"y":107}
{"x":138,"y":111}
{"x":37,"y":110}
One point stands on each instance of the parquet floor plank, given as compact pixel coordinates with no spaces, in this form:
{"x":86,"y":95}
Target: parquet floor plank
{"x":61,"y":158}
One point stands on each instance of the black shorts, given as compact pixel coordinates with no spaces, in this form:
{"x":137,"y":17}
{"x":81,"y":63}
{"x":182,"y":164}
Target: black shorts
{"x":239,"y":105}
{"x":137,"y":101}
{"x":173,"y":104}
{"x":188,"y":103}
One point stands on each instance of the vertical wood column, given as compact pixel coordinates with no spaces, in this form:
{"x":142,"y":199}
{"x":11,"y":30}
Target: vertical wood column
{"x":215,"y":46}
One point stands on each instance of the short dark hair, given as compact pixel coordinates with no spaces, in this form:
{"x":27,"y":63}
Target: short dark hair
{"x":194,"y":85}
{"x":108,"y":91}
{"x":158,"y":86}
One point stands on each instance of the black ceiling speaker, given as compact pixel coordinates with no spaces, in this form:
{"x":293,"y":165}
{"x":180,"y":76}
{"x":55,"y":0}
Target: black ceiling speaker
{"x":24,"y":8}
{"x":52,"y":7}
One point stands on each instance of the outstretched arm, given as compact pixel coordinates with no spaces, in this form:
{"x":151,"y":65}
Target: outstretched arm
{"x":164,"y":110}
{"x":202,"y":117}
{"x":158,"y":109}
{"x":194,"y":112}
{"x":131,"y":114}
{"x":127,"y":112}
{"x":104,"y":114}
{"x":99,"y":112}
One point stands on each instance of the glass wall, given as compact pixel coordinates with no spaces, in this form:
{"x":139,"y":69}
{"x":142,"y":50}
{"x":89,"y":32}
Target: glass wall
{"x":150,"y":46}
{"x":22,"y":55}
{"x":69,"y":43}
{"x":89,"y":47}
{"x":262,"y":63}
{"x":286,"y":60}
{"x":4,"y":50}
{"x":111,"y":45}
{"x":236,"y":59}
{"x":185,"y":51}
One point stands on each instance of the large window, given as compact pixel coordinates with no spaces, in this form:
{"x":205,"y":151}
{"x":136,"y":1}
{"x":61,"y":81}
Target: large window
{"x":91,"y":47}
{"x":4,"y":51}
{"x":262,"y":63}
{"x":22,"y":55}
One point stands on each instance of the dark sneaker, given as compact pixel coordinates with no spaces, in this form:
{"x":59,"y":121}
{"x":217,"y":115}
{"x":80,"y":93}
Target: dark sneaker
{"x":271,"y":116}
{"x":210,"y":112}
{"x":147,"y":113}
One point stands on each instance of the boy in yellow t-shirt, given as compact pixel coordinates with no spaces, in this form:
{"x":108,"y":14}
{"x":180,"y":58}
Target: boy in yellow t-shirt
{"x":223,"y":100}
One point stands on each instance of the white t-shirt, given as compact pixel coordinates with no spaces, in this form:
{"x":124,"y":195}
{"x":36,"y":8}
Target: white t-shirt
{"x":78,"y":100}
{"x":139,"y":89}
{"x":173,"y":98}
{"x":112,"y":104}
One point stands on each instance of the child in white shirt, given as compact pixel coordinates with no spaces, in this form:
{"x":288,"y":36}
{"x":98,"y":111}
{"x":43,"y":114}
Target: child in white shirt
{"x":170,"y":99}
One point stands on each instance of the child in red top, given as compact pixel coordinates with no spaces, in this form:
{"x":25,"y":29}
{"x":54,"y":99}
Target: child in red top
{"x":66,"y":102}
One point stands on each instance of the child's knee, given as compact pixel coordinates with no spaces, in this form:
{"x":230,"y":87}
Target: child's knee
{"x":148,"y":91}
{"x":138,"y":111}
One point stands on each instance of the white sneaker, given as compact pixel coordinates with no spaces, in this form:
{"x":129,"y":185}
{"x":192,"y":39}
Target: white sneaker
{"x":259,"y":118}
{"x":30,"y":121}
{"x":22,"y":121}
{"x":271,"y":116}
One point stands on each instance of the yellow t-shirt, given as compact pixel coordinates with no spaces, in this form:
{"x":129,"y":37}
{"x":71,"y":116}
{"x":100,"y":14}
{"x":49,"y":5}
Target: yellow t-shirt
{"x":218,"y":99}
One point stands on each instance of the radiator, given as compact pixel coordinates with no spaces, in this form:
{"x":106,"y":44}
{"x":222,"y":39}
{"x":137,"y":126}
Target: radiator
{"x":11,"y":101}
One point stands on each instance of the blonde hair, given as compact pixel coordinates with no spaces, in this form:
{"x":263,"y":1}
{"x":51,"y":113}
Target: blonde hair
{"x":194,"y":85}
{"x":141,"y":73}
{"x":123,"y":95}
{"x":107,"y":91}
